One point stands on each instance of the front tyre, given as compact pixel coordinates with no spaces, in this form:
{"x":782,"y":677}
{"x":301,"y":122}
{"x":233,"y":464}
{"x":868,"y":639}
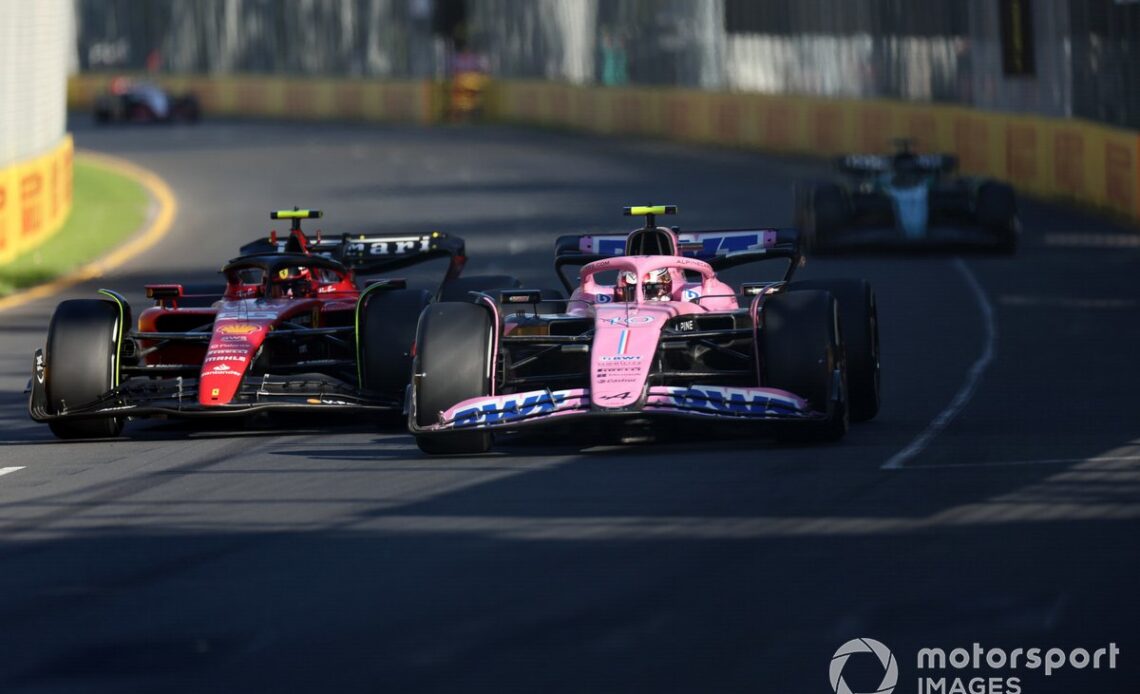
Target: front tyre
{"x":81,"y":365}
{"x":453,"y":357}
{"x":385,"y":336}
{"x":859,"y":315}
{"x":803,"y":354}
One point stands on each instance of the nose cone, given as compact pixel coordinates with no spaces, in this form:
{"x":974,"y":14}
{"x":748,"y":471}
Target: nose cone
{"x":228,"y":357}
{"x":625,"y":344}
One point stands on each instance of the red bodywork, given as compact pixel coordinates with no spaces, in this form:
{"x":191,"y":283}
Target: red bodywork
{"x":307,"y":291}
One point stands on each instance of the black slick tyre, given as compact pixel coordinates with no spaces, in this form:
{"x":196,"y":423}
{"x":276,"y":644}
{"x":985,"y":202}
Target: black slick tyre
{"x":996,"y":207}
{"x":387,"y":332}
{"x":81,"y":360}
{"x":859,"y":316}
{"x":802,"y":348}
{"x":827,"y":215}
{"x":452,"y":364}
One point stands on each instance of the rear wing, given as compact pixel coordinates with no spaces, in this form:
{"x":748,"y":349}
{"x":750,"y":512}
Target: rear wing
{"x":866,"y":165}
{"x":371,"y":253}
{"x":720,"y":248}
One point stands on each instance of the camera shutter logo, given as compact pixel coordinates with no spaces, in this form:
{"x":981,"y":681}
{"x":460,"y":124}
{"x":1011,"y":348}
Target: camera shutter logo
{"x":890,"y":665}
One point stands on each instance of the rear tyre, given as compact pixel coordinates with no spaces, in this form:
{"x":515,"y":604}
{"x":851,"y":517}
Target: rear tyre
{"x":453,"y":347}
{"x":827,"y":214}
{"x":457,"y":289}
{"x":81,"y":360}
{"x":997,"y":213}
{"x":859,"y":316}
{"x":803,"y":348}
{"x":387,"y":328}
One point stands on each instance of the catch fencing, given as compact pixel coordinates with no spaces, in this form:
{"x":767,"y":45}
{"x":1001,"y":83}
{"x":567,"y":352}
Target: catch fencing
{"x":1043,"y":93}
{"x":1046,"y":57}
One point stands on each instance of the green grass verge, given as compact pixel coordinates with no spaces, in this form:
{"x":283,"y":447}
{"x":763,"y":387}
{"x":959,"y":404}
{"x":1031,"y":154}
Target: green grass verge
{"x":106,"y":209}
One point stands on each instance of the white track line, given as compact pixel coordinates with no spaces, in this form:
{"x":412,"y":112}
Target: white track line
{"x":1018,"y":463}
{"x":973,"y":377}
{"x":6,"y":470}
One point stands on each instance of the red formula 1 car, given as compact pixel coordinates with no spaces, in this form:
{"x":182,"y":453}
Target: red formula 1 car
{"x":292,"y":329}
{"x":651,"y":332}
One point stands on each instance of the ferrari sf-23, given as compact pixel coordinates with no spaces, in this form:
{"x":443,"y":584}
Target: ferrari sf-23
{"x":291,"y":329}
{"x":650,"y":332}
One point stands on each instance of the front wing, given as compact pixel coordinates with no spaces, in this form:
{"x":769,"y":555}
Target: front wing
{"x":178,"y":397}
{"x":559,"y":406}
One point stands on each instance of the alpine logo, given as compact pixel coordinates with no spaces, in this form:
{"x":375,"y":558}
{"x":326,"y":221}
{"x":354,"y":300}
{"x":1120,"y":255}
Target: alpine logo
{"x":616,"y":396}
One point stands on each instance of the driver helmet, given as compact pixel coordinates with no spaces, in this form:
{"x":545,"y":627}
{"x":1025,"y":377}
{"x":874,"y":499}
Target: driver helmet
{"x":658,"y":285}
{"x":624,"y":291}
{"x":295,"y":282}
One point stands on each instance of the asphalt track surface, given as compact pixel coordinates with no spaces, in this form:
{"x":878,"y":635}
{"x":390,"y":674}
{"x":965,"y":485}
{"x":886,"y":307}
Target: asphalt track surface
{"x":338,"y":558}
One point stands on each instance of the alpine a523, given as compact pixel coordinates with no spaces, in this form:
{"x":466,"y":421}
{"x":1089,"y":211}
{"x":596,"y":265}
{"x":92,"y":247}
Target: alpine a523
{"x":650,"y":333}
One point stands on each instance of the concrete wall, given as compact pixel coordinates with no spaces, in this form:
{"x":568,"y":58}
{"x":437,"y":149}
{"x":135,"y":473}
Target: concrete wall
{"x":36,"y":45}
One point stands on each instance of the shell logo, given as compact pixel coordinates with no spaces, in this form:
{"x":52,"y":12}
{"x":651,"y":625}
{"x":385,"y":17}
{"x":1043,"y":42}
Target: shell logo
{"x":237,"y":329}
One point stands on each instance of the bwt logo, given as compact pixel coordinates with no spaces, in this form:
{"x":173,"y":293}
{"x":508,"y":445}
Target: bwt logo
{"x":508,"y":409}
{"x":864,"y":645}
{"x":730,"y":401}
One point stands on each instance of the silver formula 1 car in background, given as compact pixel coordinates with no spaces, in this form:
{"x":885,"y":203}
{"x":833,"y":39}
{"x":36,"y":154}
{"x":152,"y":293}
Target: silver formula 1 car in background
{"x":905,"y":200}
{"x":127,"y":101}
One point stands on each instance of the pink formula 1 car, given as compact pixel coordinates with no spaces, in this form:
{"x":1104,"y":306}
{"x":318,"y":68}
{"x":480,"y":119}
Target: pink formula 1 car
{"x":650,"y":332}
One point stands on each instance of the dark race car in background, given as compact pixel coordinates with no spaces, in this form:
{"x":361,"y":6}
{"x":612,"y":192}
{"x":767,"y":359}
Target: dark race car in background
{"x":291,"y":329}
{"x":143,"y":102}
{"x":651,"y":335}
{"x":906,"y":200}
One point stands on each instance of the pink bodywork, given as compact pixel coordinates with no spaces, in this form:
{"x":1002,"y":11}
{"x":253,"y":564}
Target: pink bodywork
{"x":626,"y":333}
{"x":626,"y":336}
